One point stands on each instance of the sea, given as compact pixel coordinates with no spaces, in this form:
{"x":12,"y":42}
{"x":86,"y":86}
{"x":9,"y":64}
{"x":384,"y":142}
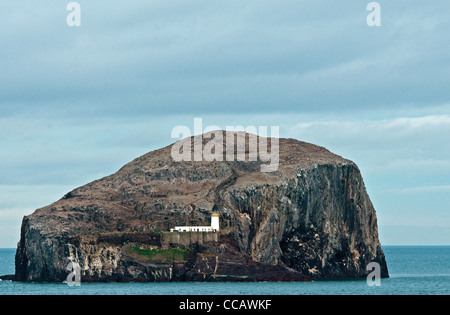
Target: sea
{"x":414,"y":270}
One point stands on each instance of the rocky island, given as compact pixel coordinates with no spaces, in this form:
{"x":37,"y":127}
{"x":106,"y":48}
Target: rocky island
{"x":310,"y":219}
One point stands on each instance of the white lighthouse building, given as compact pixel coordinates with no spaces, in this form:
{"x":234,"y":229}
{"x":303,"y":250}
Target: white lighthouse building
{"x":215,"y":223}
{"x":214,"y":227}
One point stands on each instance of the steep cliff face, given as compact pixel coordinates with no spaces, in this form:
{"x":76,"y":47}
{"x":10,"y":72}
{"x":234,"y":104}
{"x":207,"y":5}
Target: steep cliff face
{"x":310,"y":219}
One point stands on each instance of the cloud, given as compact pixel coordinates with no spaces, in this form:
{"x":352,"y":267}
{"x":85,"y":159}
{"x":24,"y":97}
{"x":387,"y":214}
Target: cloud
{"x":417,"y":235}
{"x":411,"y":138}
{"x":10,"y":222}
{"x":205,"y":56}
{"x":14,"y":214}
{"x":30,"y":196}
{"x":78,"y":103}
{"x":424,"y":189}
{"x":404,"y":161}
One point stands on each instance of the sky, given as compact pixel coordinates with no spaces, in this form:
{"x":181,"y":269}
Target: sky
{"x":77,"y":103}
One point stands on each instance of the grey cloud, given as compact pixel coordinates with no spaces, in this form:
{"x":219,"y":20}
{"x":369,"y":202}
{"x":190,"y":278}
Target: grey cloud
{"x":78,"y":103}
{"x":160,"y":58}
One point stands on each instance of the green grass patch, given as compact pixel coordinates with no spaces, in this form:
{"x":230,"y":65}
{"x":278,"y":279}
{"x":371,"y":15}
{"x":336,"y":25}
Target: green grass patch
{"x":159,"y":255}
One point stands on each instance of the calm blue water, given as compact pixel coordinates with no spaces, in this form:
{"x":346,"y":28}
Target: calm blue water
{"x":414,"y":270}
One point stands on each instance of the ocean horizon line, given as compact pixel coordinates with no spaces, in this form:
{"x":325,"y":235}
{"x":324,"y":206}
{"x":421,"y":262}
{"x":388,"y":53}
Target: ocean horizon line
{"x":390,"y":245}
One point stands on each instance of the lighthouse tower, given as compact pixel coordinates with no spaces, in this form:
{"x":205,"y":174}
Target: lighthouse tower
{"x":215,"y":223}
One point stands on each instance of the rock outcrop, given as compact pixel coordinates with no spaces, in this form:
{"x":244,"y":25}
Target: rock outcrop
{"x":310,"y":219}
